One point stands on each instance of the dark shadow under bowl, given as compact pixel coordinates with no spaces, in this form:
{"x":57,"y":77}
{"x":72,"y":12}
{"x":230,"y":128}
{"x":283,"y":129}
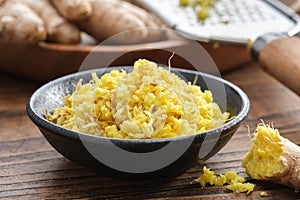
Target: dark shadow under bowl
{"x":138,"y":158}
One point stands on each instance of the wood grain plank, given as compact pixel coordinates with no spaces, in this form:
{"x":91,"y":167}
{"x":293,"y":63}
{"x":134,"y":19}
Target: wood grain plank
{"x":266,"y":94}
{"x":17,"y":127}
{"x":30,"y":144}
{"x":31,"y":169}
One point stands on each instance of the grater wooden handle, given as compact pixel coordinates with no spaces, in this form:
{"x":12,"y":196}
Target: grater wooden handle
{"x":293,"y":4}
{"x":281,"y":59}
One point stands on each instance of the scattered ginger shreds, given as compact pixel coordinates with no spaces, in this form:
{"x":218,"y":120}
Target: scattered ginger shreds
{"x":263,"y":194}
{"x":235,"y":182}
{"x":263,"y":159}
{"x":149,"y":102}
{"x":232,"y":177}
{"x":207,"y":177}
{"x":202,"y":7}
{"x":240,"y":187}
{"x":249,"y":44}
{"x":184,"y":3}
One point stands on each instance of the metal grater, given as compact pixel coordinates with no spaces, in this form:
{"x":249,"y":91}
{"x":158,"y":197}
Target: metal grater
{"x":230,"y":21}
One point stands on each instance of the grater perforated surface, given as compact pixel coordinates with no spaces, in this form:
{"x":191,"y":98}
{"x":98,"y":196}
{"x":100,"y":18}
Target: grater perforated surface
{"x":233,"y":21}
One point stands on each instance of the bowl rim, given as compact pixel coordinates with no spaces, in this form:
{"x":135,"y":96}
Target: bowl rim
{"x":42,"y":122}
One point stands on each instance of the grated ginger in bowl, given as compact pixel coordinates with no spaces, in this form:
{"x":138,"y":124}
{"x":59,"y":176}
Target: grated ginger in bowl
{"x":147,"y":103}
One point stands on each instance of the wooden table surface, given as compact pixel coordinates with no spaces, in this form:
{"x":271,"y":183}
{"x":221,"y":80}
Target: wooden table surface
{"x":31,"y":169}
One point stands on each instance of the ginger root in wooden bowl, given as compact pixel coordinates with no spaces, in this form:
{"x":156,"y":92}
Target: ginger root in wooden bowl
{"x":45,"y":39}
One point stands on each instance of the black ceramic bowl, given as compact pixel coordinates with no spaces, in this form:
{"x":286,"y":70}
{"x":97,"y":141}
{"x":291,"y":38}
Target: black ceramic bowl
{"x":136,"y":158}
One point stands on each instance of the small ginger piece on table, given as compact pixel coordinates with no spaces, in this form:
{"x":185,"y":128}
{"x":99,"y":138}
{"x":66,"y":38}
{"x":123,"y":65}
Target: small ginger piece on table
{"x":58,"y":28}
{"x":74,"y":9}
{"x":20,"y":24}
{"x":273,"y":158}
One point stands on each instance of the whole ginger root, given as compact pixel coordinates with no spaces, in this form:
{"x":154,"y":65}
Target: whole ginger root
{"x":74,"y":9}
{"x":111,"y":17}
{"x":30,"y":21}
{"x":58,"y":28}
{"x":101,"y":19}
{"x":27,"y":28}
{"x":273,"y":158}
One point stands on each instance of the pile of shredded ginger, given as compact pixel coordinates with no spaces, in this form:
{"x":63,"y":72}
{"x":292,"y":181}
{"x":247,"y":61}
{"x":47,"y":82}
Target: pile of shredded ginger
{"x":149,"y":102}
{"x":232,"y":181}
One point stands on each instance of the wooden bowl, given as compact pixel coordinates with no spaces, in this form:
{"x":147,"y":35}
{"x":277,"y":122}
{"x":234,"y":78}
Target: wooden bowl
{"x":46,"y":61}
